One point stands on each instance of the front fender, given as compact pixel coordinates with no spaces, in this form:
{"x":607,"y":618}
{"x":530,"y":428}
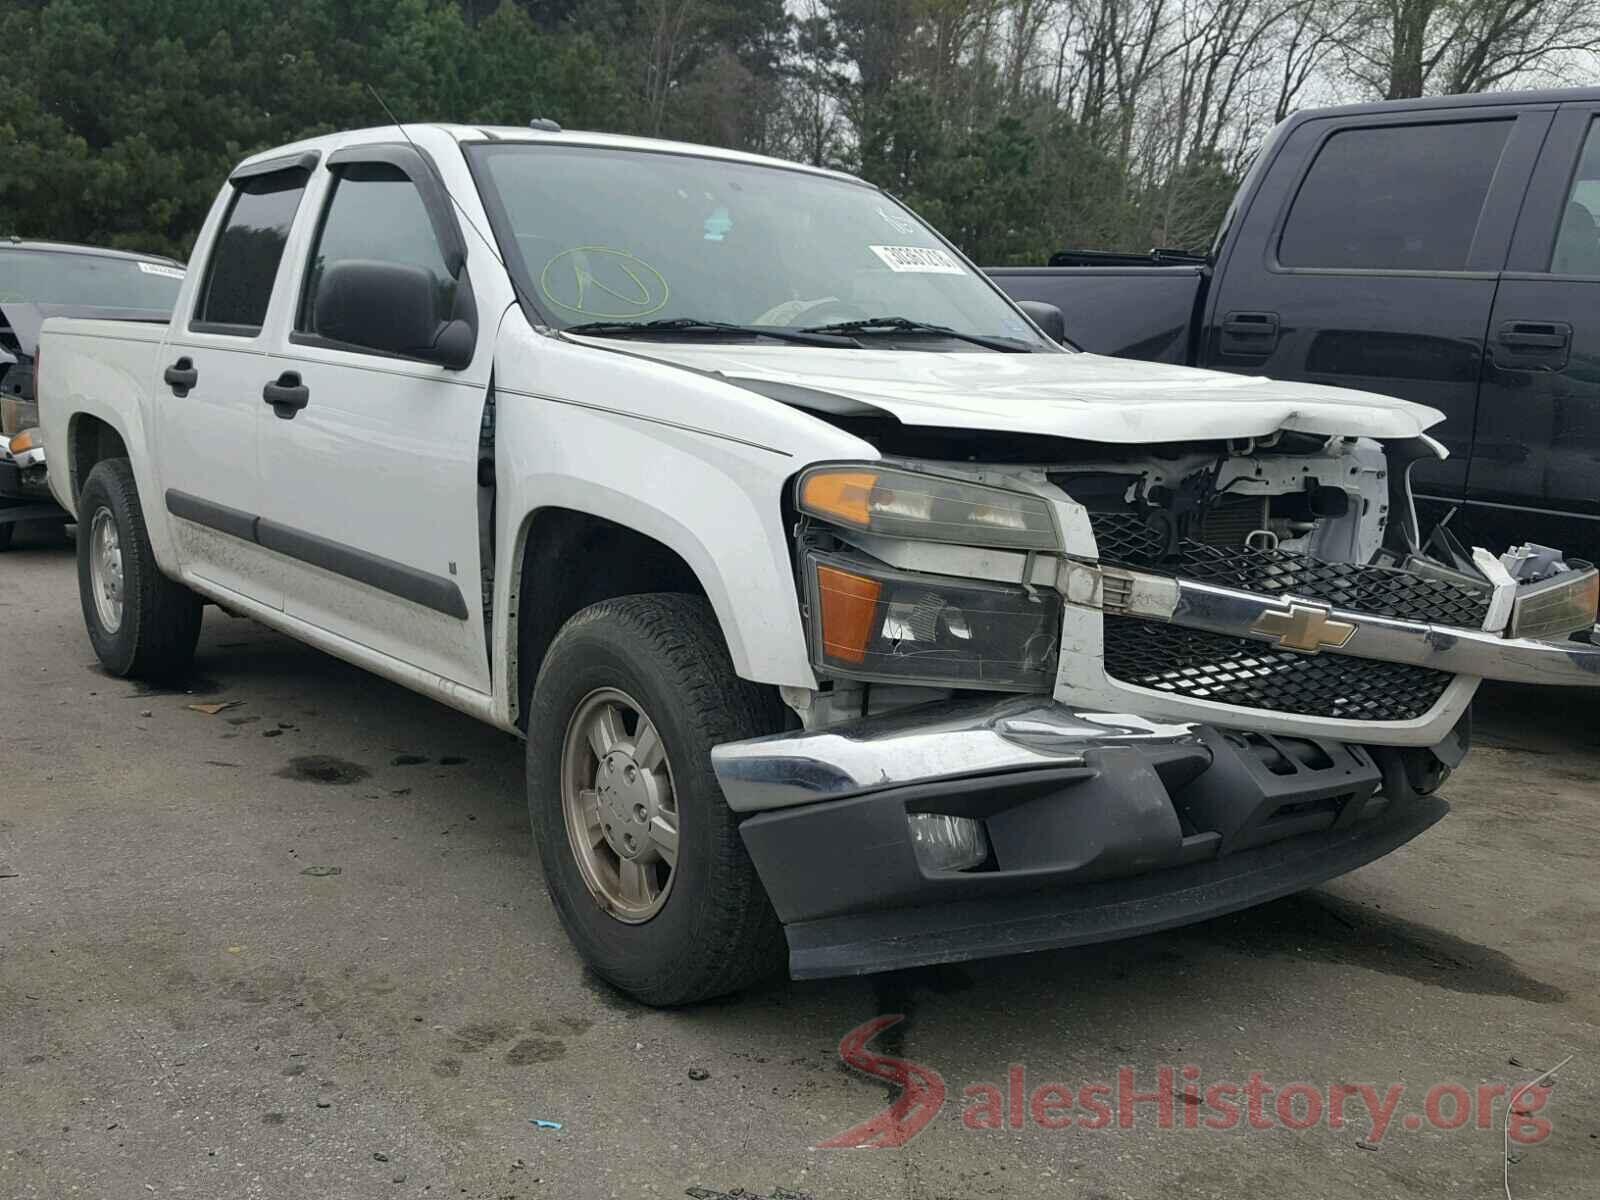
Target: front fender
{"x":697,"y":464}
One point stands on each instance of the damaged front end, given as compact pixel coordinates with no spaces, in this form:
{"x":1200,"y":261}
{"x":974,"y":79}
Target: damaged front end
{"x":1072,"y":702}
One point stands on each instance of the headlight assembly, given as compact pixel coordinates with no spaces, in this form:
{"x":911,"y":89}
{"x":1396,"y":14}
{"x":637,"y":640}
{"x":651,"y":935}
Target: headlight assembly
{"x":869,"y":621}
{"x":908,"y":504}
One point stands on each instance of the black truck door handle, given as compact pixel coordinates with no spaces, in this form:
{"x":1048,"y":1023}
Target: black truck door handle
{"x":1250,"y":333}
{"x":181,"y":376}
{"x":1540,"y":346}
{"x":287,"y":395}
{"x":1535,"y":335}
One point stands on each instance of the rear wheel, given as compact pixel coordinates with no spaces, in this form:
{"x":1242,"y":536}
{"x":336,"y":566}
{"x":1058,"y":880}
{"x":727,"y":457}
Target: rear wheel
{"x":640,"y":850}
{"x":141,"y":623}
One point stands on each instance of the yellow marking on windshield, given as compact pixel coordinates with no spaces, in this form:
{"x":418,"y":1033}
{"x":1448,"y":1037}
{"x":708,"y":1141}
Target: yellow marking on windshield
{"x":599,"y":272}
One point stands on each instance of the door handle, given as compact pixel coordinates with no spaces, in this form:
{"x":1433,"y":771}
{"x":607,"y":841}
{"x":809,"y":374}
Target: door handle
{"x":181,"y":376}
{"x":1535,"y":335}
{"x":287,"y":395}
{"x":1540,"y":346}
{"x":1250,"y":333}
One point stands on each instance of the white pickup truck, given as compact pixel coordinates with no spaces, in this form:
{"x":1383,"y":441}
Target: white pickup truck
{"x":840,"y":604}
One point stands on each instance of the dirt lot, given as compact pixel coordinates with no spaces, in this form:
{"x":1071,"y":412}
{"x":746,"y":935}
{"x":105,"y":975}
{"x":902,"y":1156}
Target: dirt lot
{"x":300,"y":948}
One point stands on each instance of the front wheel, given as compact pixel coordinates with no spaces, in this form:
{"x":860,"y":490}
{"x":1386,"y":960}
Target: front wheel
{"x":640,"y":850}
{"x":141,"y":623}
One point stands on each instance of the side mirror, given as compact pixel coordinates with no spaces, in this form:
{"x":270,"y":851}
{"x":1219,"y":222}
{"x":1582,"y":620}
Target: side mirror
{"x":393,"y":308}
{"x":1047,"y":317}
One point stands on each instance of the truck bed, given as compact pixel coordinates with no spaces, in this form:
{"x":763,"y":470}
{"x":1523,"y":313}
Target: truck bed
{"x":1121,"y":309}
{"x":110,"y":358}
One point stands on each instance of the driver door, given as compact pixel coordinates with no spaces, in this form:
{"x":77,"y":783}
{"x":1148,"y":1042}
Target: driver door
{"x":370,"y":463}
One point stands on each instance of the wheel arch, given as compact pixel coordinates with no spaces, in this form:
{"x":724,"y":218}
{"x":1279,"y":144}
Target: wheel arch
{"x":91,"y":439}
{"x":567,"y":559}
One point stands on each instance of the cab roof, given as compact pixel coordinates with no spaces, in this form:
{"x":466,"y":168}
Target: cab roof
{"x":516,"y":133}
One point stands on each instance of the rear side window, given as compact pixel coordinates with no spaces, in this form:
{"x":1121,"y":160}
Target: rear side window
{"x":1577,"y":248}
{"x":375,"y":214}
{"x":1395,"y":197}
{"x":244,"y":260}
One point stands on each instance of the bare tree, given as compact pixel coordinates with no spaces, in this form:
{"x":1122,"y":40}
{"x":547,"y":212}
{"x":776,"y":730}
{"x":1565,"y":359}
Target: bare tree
{"x":667,"y":22}
{"x":1305,"y":42}
{"x":1404,"y":48}
{"x":812,"y":116}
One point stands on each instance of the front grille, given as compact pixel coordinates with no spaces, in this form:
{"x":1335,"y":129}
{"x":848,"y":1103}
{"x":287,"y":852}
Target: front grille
{"x":1197,"y":665}
{"x":1126,"y":540}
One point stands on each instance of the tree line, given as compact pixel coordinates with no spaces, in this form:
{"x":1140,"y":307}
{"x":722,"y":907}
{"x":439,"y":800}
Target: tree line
{"x":1018,"y":127}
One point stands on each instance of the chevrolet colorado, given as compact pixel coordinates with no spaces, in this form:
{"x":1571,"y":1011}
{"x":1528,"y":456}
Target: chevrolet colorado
{"x":838,"y":605}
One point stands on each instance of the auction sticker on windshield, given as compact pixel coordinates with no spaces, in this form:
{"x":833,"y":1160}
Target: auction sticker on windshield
{"x":158,"y":269}
{"x":924,"y":260}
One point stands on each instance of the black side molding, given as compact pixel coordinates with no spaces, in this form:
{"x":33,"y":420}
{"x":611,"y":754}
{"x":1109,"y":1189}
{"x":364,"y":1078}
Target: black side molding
{"x":431,"y":591}
{"x":213,"y":516}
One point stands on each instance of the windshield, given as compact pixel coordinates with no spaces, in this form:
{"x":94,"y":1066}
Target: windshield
{"x":601,"y":235}
{"x":87,"y":280}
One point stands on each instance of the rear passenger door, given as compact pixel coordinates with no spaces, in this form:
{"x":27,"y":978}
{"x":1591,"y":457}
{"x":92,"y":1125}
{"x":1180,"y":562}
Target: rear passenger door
{"x":370,"y":494}
{"x":1368,"y":259}
{"x":1537,"y":452}
{"x":207,"y":404}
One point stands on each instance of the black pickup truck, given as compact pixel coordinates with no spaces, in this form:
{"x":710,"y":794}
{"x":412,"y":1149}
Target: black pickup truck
{"x":1444,"y":250}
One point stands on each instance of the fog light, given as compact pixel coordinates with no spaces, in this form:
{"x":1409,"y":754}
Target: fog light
{"x":945,"y":843}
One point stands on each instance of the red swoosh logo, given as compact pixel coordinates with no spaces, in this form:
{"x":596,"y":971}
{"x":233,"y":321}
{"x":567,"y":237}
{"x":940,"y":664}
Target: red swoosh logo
{"x":921,"y":1096}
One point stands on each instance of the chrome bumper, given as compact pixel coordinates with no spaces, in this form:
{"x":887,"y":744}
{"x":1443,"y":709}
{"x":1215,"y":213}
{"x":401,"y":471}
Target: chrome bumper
{"x":1310,"y":627}
{"x":952,"y":740}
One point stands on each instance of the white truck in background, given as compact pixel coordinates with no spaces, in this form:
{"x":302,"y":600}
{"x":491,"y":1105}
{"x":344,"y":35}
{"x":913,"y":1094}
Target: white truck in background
{"x":840,"y":603}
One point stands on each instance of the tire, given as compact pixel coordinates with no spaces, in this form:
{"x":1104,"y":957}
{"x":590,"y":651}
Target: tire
{"x":713,"y":930}
{"x":159,"y":621}
{"x":7,"y":532}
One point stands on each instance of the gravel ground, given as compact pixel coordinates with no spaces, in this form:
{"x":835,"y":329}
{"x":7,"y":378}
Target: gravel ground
{"x":299,"y":947}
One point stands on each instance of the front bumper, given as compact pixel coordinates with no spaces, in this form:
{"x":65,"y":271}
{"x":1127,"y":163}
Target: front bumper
{"x":1100,"y":827}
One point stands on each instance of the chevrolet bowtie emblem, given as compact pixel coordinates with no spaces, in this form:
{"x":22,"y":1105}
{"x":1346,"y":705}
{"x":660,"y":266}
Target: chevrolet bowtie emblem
{"x":1304,"y":627}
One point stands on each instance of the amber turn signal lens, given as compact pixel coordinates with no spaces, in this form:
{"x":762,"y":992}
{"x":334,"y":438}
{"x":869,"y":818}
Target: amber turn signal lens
{"x":842,"y":495}
{"x":849,"y":612}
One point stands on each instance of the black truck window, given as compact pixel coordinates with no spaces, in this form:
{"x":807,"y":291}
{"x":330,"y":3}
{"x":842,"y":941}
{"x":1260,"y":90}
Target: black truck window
{"x":1394,"y":197}
{"x":375,"y":213}
{"x":1577,"y":248}
{"x":244,"y":261}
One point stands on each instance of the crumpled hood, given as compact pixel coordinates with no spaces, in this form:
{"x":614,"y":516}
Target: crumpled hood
{"x":1084,"y":396}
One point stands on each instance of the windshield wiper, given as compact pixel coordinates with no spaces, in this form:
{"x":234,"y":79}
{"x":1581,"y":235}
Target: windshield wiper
{"x":893,"y":325}
{"x":695,"y":327}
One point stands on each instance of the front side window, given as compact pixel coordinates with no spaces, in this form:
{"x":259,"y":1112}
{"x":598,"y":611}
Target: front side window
{"x":375,"y":214}
{"x":1577,"y":248}
{"x":244,"y":260}
{"x":1394,"y":197}
{"x":88,"y":280}
{"x":601,"y":235}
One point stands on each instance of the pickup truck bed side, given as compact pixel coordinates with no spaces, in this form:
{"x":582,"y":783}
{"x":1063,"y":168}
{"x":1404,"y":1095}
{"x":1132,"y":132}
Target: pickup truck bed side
{"x":1145,"y":312}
